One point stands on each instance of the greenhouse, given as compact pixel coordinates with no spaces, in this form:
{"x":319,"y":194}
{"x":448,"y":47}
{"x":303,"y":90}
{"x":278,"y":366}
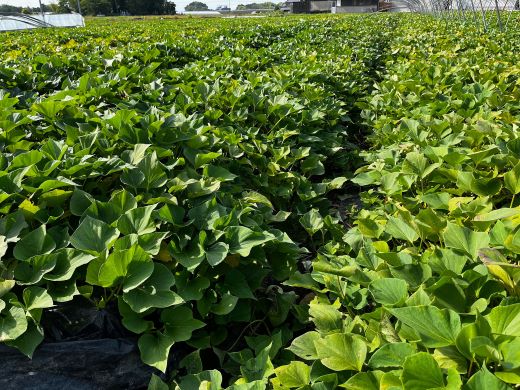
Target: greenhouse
{"x":15,"y":21}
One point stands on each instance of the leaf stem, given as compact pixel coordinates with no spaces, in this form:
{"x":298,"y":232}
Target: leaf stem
{"x":243,"y":331}
{"x":470,"y":368}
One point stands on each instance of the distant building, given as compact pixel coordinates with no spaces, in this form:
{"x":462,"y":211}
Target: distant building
{"x":334,"y":6}
{"x":355,"y":6}
{"x":307,"y":6}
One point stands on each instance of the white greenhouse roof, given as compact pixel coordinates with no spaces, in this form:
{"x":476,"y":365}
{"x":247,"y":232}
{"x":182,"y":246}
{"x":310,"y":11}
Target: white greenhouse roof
{"x":9,"y":22}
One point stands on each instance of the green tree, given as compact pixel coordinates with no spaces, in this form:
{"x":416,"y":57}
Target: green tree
{"x":116,"y":7}
{"x":148,"y":7}
{"x":96,"y":7}
{"x":266,"y":5}
{"x":169,"y":8}
{"x":66,"y":6}
{"x":9,"y":8}
{"x":196,"y":6}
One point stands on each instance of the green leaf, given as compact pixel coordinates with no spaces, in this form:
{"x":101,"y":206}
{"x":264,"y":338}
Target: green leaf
{"x":172,"y":214}
{"x":206,"y":380}
{"x":192,"y":255}
{"x":512,"y":179}
{"x":151,"y":242}
{"x":236,"y":283}
{"x":131,"y":320}
{"x":140,"y":301}
{"x":67,"y":260}
{"x":479,"y":328}
{"x":180,"y":323}
{"x":137,"y":221}
{"x":483,"y":379}
{"x":486,"y":186}
{"x":156,"y":383}
{"x":485,"y":347}
{"x":312,"y":222}
{"x":93,"y":235}
{"x":400,"y":229}
{"x":511,"y":353}
{"x":415,"y":163}
{"x":155,"y":349}
{"x":26,"y":159}
{"x":33,"y":270}
{"x":256,"y":198}
{"x":36,"y":298}
{"x":241,"y":239}
{"x":136,"y":155}
{"x":225,"y":306}
{"x":217,"y":253}
{"x":303,"y":346}
{"x":204,"y":158}
{"x":391,"y":380}
{"x":369,"y":227}
{"x":259,"y":367}
{"x":389,"y":291}
{"x":421,"y":372}
{"x":450,"y":358}
{"x":36,"y":242}
{"x":505,"y":320}
{"x":65,"y":291}
{"x":11,"y":225}
{"x":364,"y":381}
{"x":29,"y":341}
{"x":133,"y":177}
{"x":512,"y":377}
{"x":465,"y":240}
{"x":138,"y":273}
{"x":6,"y":286}
{"x":192,"y":362}
{"x":117,"y":267}
{"x":326,"y":317}
{"x":219,"y":173}
{"x":295,"y":374}
{"x":154,"y":292}
{"x":496,"y":215}
{"x":391,"y":355}
{"x":340,"y":352}
{"x":79,"y":202}
{"x":13,"y":323}
{"x":190,"y":289}
{"x":258,"y":343}
{"x":436,"y":327}
{"x":153,"y":174}
{"x":453,"y":379}
{"x":3,"y":246}
{"x":326,"y":268}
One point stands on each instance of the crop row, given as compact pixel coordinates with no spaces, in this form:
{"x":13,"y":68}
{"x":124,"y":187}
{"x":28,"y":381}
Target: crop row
{"x":197,"y":181}
{"x":422,"y":290}
{"x":165,"y":181}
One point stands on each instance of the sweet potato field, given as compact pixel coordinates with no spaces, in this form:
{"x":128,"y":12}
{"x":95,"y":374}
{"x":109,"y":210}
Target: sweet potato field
{"x":268,"y":203}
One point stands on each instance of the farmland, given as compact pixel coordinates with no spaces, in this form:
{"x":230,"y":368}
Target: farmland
{"x":284,"y":202}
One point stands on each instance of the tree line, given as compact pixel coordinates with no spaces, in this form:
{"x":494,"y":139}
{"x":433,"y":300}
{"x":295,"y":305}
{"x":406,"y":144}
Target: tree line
{"x":26,"y":10}
{"x":200,"y":6}
{"x":119,"y":7}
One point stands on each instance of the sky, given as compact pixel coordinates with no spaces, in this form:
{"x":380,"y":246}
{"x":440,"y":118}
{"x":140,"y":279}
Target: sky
{"x":180,"y":3}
